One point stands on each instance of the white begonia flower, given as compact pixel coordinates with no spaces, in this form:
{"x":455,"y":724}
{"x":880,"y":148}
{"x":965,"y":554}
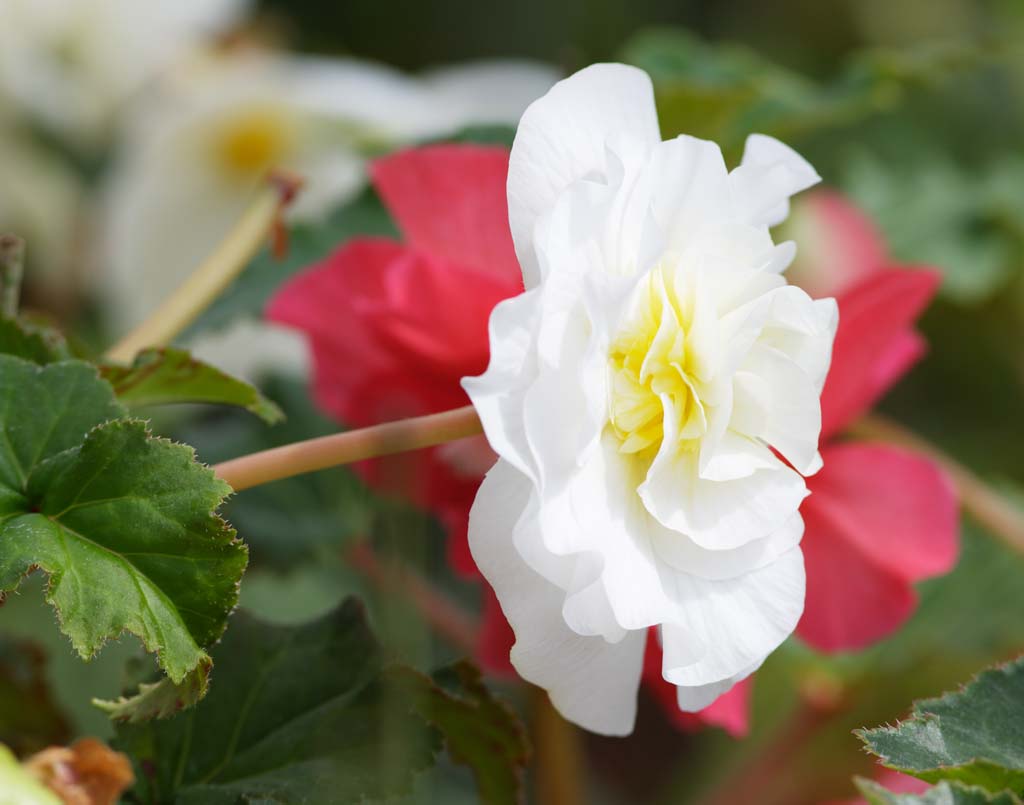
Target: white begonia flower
{"x":70,"y":64}
{"x":653,"y":397}
{"x":195,"y":155}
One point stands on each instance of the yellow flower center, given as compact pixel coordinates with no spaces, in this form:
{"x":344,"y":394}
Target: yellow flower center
{"x":253,"y":141}
{"x":655,"y":366}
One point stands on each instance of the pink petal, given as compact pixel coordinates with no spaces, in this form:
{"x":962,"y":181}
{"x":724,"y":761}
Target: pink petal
{"x":878,"y":519}
{"x":731,"y":711}
{"x":872,"y":349}
{"x":839,"y":244}
{"x":450,"y":202}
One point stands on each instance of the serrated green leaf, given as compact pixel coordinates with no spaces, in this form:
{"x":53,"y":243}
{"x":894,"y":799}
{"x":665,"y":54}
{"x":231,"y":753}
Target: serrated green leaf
{"x":159,"y":699}
{"x":169,"y":375}
{"x":18,"y":787}
{"x":121,"y":522}
{"x":297,"y":714}
{"x":37,"y":344}
{"x":945,"y":793}
{"x":307,"y":243}
{"x":975,"y":735}
{"x":480,"y":732}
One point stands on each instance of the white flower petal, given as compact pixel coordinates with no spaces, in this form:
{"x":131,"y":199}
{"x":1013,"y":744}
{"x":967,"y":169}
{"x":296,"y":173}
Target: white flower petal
{"x":769,"y":174}
{"x":718,"y":515}
{"x":695,"y":698}
{"x":563,"y":137}
{"x":738,"y":621}
{"x":591,"y":682}
{"x":499,"y":394}
{"x":791,"y":419}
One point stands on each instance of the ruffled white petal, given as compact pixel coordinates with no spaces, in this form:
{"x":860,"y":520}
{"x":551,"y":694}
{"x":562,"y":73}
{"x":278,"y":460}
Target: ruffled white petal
{"x":591,"y":682}
{"x":738,"y":622}
{"x":564,"y":137}
{"x":768,"y":175}
{"x":499,"y":394}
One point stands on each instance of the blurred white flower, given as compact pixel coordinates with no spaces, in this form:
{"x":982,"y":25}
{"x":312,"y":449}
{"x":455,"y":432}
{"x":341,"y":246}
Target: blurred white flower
{"x":653,"y":396}
{"x":40,"y":200}
{"x":70,"y":63}
{"x":196,"y":154}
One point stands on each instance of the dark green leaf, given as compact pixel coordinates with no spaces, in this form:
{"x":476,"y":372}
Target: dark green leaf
{"x":298,"y":714}
{"x":309,"y":714}
{"x":308,"y":243}
{"x":169,"y":375}
{"x":944,"y":793}
{"x":34,"y":343}
{"x":479,"y":731}
{"x":30,"y":719}
{"x":975,"y":735}
{"x":121,"y":522}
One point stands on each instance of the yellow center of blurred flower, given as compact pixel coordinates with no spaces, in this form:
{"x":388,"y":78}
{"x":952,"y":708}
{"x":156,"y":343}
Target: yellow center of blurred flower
{"x":655,"y":366}
{"x":254,"y":141}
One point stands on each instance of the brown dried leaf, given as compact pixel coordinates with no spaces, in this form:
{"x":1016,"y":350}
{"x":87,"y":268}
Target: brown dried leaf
{"x":86,"y":773}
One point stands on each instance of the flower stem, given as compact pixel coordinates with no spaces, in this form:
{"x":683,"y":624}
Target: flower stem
{"x":12,"y":263}
{"x":214,"y":274}
{"x":346,"y":448}
{"x":558,"y":755}
{"x":986,"y":505}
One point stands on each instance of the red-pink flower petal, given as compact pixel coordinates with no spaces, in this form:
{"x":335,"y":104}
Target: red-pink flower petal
{"x":878,"y":519}
{"x":839,"y":244}
{"x":450,"y":202}
{"x":871,"y":347}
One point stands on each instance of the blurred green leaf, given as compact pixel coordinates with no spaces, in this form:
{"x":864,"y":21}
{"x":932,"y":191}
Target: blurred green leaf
{"x":967,"y":223}
{"x":30,"y":719}
{"x":121,"y":522}
{"x":973,"y":736}
{"x":310,"y":714}
{"x":307,"y":244}
{"x":32,"y":342}
{"x":943,"y":794}
{"x":725,"y":92}
{"x":480,"y":731}
{"x":170,"y":375}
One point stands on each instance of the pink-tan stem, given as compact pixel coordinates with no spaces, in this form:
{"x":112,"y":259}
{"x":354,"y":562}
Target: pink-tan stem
{"x":349,"y":447}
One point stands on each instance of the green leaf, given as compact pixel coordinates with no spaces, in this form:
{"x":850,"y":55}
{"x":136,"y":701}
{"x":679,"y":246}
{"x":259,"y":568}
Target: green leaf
{"x":298,"y":714}
{"x":30,"y":719}
{"x":975,"y":735}
{"x":479,"y":731}
{"x":169,"y":375}
{"x":122,"y":523}
{"x":307,"y":243}
{"x":310,"y":714}
{"x":945,"y":793}
{"x":37,"y":344}
{"x":18,"y":787}
{"x":724,"y":92}
{"x":159,"y":699}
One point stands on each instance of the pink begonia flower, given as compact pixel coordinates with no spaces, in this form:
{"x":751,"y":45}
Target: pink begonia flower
{"x":388,"y":342}
{"x":394,"y":326}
